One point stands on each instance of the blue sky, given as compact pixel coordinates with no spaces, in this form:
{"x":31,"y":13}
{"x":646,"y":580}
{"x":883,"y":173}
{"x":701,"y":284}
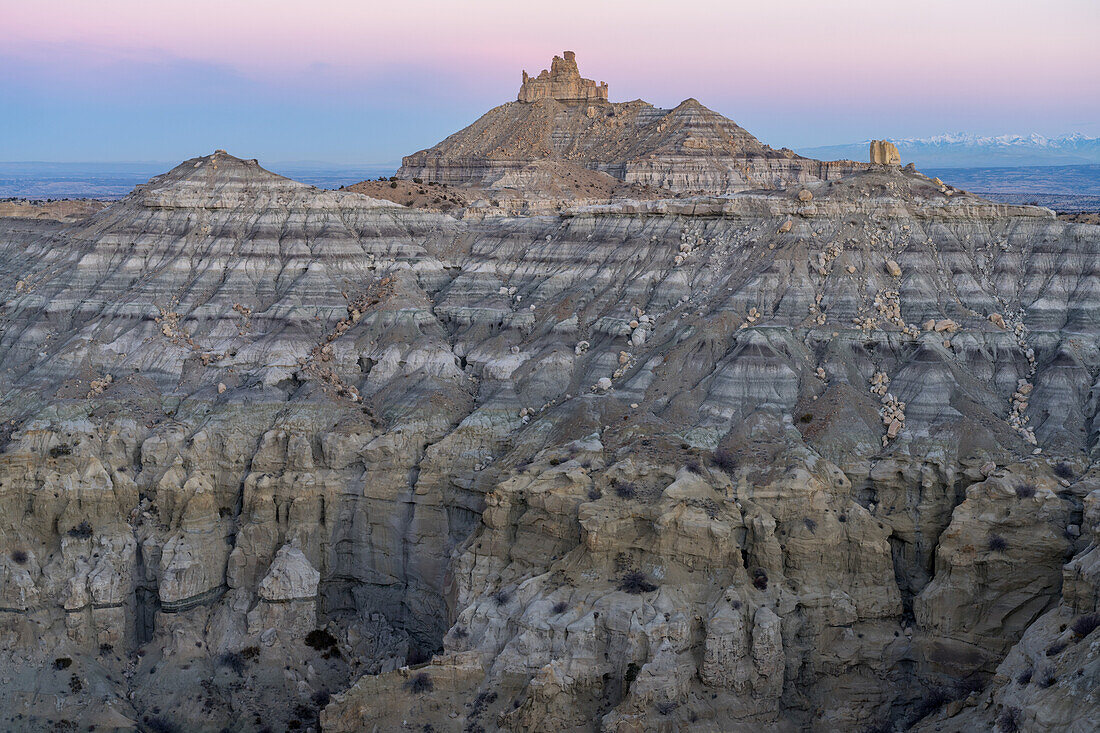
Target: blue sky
{"x":352,"y":82}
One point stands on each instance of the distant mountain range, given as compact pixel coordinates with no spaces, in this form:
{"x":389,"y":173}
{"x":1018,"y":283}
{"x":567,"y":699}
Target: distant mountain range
{"x":961,"y":150}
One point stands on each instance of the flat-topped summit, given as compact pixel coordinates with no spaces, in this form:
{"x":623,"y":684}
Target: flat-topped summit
{"x":563,"y":82}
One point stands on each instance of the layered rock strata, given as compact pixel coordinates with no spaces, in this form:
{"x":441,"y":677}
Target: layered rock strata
{"x":566,"y":120}
{"x":280,"y":457}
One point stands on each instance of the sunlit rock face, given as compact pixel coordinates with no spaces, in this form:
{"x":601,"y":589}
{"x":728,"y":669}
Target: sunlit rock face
{"x":802,"y":458}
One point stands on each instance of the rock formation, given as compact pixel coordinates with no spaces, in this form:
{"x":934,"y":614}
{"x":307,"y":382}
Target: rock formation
{"x":562,"y":83}
{"x":564,"y":120}
{"x":884,"y":152}
{"x":275,"y":457}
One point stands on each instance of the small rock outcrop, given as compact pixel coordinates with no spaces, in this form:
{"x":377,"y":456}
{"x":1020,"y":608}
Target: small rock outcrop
{"x":884,"y":152}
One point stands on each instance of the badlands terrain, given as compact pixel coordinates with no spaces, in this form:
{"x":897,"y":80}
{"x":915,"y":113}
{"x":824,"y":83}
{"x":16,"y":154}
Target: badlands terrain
{"x":736,"y":441}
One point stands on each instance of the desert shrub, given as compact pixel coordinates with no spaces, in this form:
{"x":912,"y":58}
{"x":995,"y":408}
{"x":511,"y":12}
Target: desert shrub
{"x":501,"y":597}
{"x":251,"y":653}
{"x":630,"y":675}
{"x":19,"y":557}
{"x":1026,"y":491}
{"x":320,"y":698}
{"x":1009,"y":720}
{"x":1085,"y":625}
{"x":81,"y":531}
{"x":1063,"y":470}
{"x":626,"y":491}
{"x":735,"y":604}
{"x":1025,"y":676}
{"x":760,"y":579}
{"x":807,"y":417}
{"x":393,"y":185}
{"x":636,"y":582}
{"x":60,"y":450}
{"x":725,"y":459}
{"x":62,"y":663}
{"x":234,"y":661}
{"x":420,"y":683}
{"x":320,"y":639}
{"x":594,"y":494}
{"x":1056,"y":648}
{"x":694,"y":466}
{"x":667,"y":707}
{"x":997,"y":543}
{"x":161,"y":725}
{"x":460,"y":632}
{"x":810,"y":524}
{"x":560,"y":607}
{"x":106,"y":648}
{"x":1047,"y":678}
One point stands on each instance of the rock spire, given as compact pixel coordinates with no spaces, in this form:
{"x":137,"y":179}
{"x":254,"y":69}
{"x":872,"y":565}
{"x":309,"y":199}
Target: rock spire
{"x":562,"y":82}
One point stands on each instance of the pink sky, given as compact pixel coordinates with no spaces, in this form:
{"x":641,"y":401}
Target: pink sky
{"x":1001,"y":65}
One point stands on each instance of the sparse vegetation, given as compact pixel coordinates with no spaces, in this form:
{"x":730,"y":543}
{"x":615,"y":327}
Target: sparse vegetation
{"x":320,"y":639}
{"x":1047,"y":678}
{"x":1025,"y":676}
{"x":810,"y":524}
{"x":667,"y":707}
{"x":60,"y":450}
{"x":694,"y":466}
{"x":1084,"y":625}
{"x":626,"y":491}
{"x":760,"y":579}
{"x":62,"y":663}
{"x":19,"y":557}
{"x":806,"y":417}
{"x":1063,"y":470}
{"x":161,"y":725}
{"x":594,"y":494}
{"x":1026,"y":491}
{"x":629,"y":676}
{"x":1056,"y":648}
{"x":725,"y":459}
{"x":234,"y":661}
{"x":460,"y":632}
{"x":81,"y":531}
{"x":1009,"y":720}
{"x":636,"y":582}
{"x":501,"y":597}
{"x":560,"y":607}
{"x":997,"y":543}
{"x":420,"y":683}
{"x":251,"y":653}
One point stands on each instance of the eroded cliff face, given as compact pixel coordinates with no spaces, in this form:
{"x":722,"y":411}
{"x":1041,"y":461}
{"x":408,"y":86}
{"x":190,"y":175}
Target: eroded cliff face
{"x":814,"y":458}
{"x":682,"y":150}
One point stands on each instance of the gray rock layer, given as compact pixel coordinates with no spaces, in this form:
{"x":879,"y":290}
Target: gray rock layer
{"x":814,"y":458}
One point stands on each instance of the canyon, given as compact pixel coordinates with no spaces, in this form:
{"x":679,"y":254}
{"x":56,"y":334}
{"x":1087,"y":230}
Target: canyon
{"x":745,"y":442}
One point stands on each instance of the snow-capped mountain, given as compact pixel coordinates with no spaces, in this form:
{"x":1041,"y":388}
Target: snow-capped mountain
{"x":964,"y":150}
